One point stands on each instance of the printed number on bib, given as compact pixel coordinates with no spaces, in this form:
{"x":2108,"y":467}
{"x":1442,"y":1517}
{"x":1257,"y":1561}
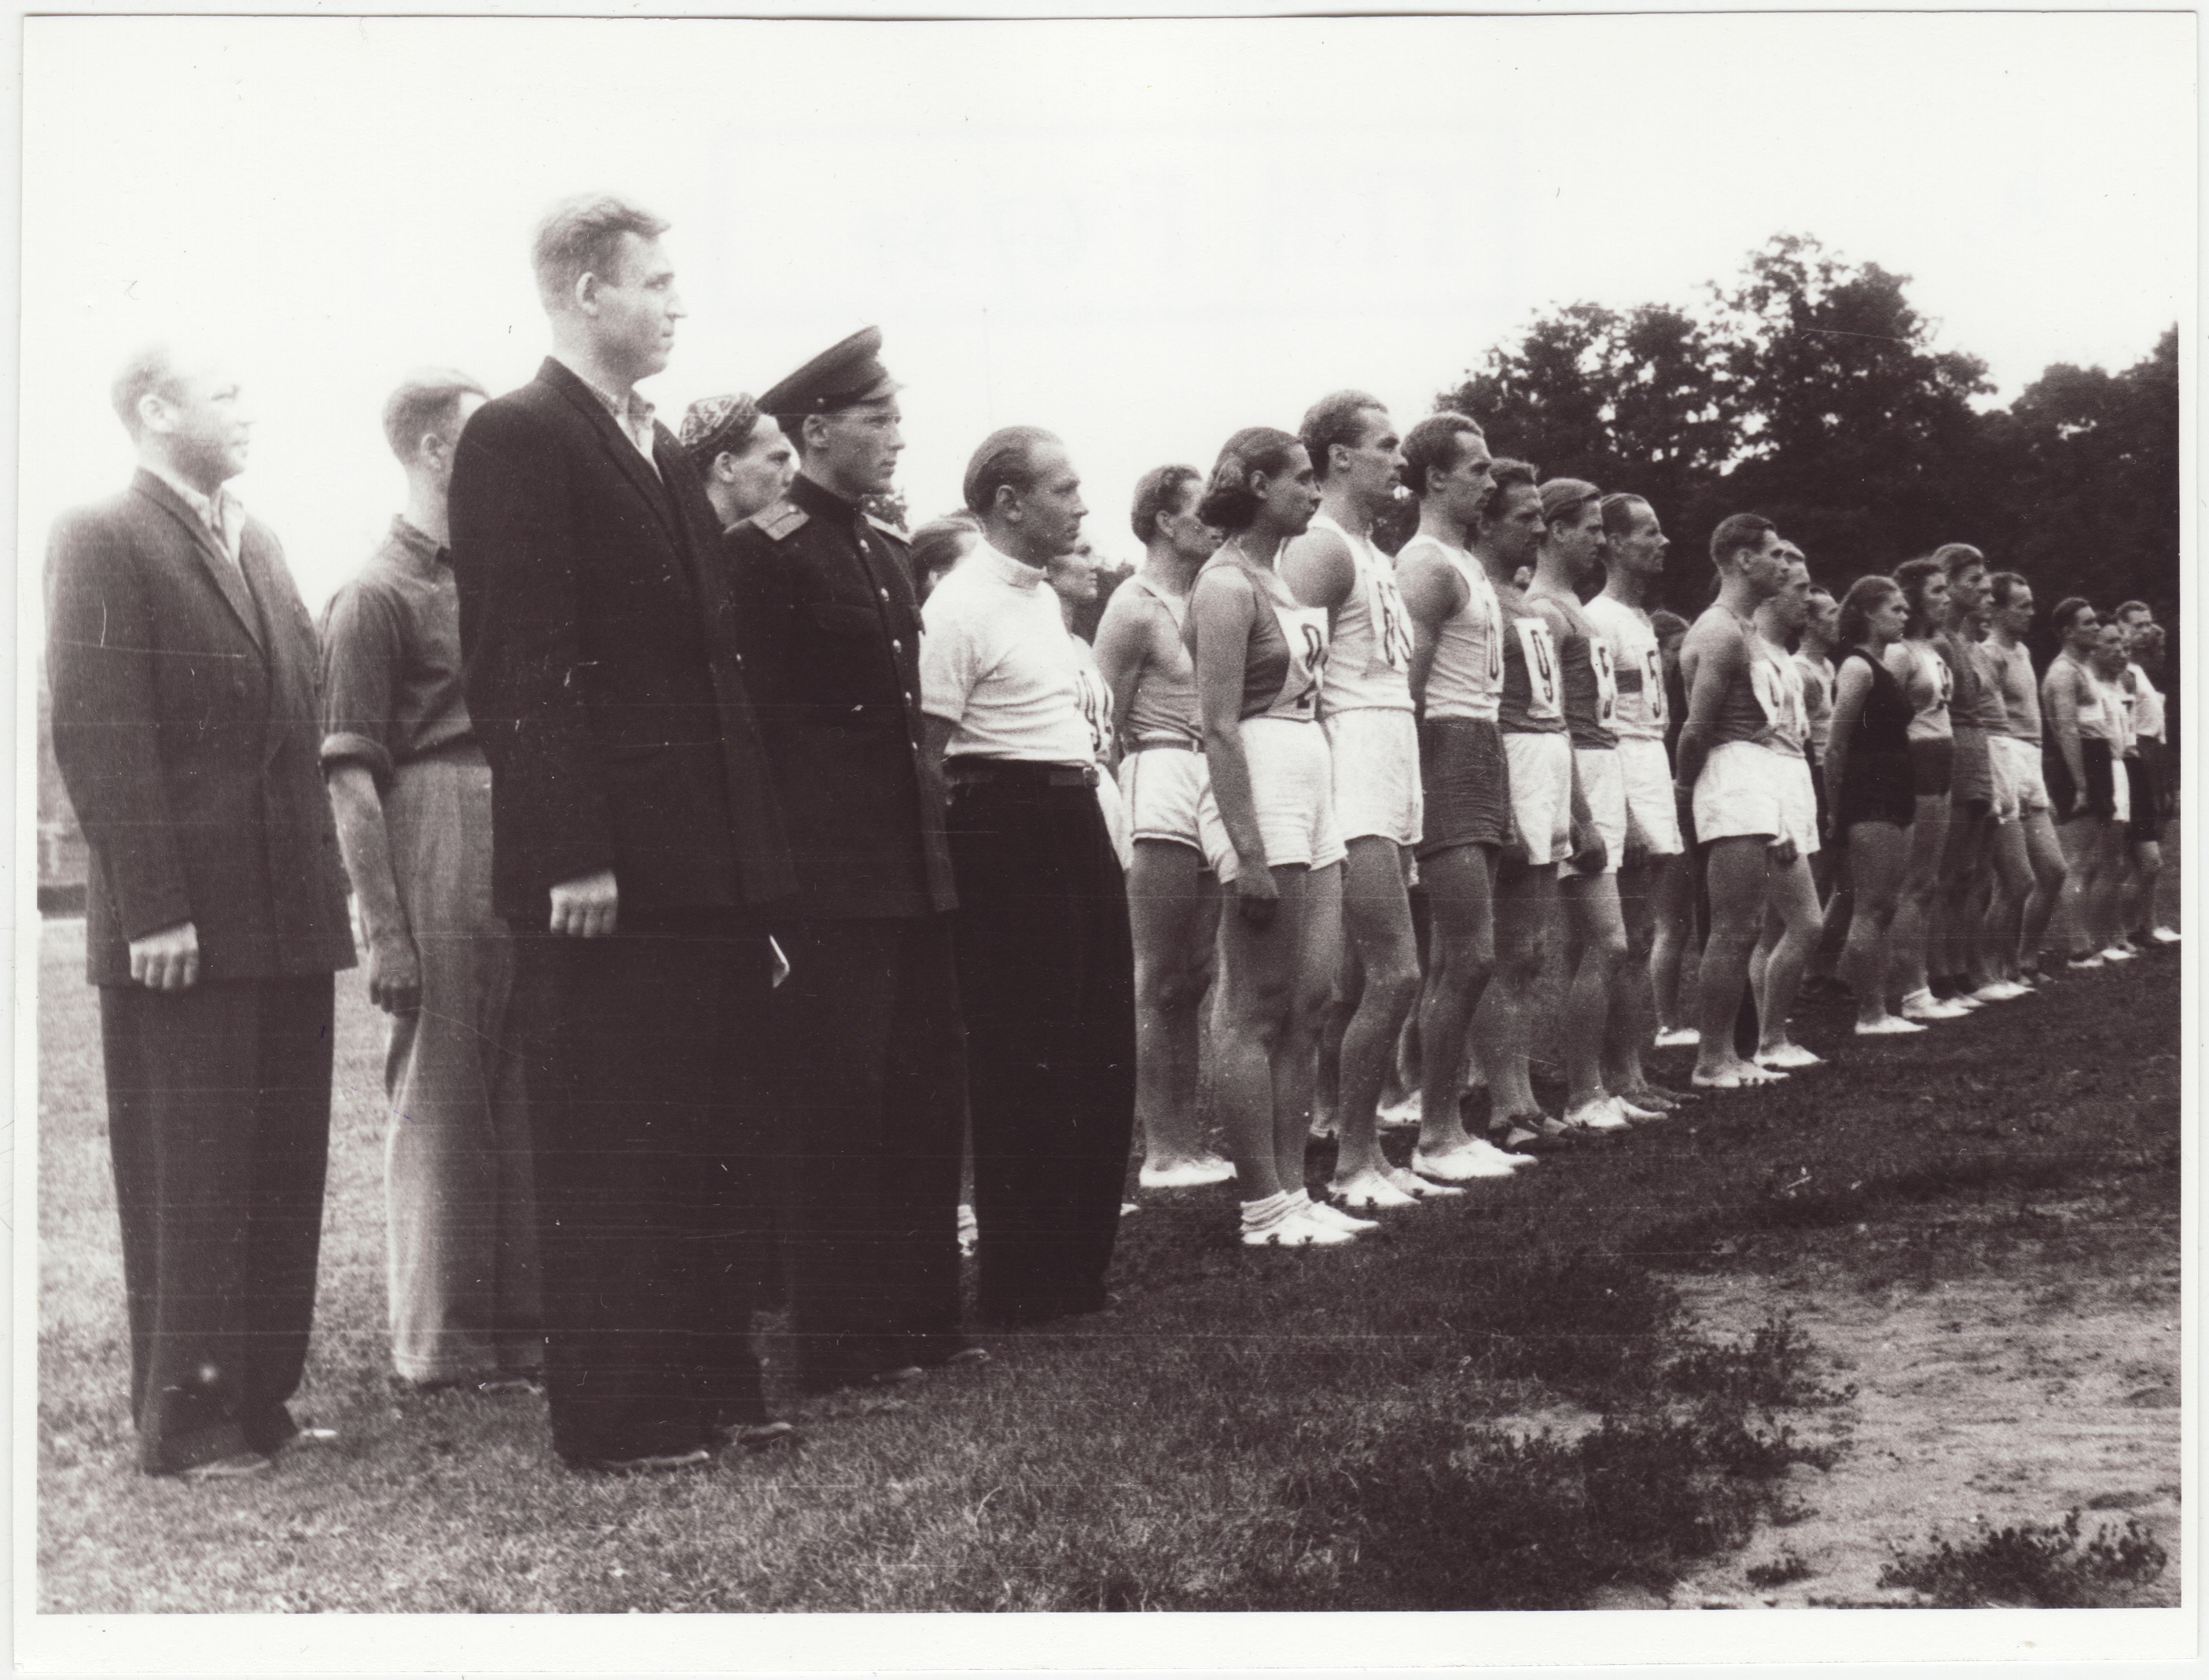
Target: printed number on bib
{"x":1096,"y":702}
{"x":1652,"y":684}
{"x":1606,"y":682}
{"x":1391,"y":628}
{"x":1770,"y":691}
{"x":1541,"y":656}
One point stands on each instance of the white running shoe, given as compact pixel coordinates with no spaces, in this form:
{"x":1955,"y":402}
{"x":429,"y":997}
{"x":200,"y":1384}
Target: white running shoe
{"x":1397,"y":1116}
{"x":1925,"y":1006}
{"x":1788,"y":1056}
{"x":2117,"y":954}
{"x":1679,"y":1038}
{"x":1186,"y":1175}
{"x":1330,"y":1218}
{"x":1464,"y":1162}
{"x":1295,"y":1230}
{"x":1369,"y":1190}
{"x":1418,"y":1189}
{"x":1600,"y":1116}
{"x":2093,"y":961}
{"x":2164,"y":936}
{"x":1888,"y":1026}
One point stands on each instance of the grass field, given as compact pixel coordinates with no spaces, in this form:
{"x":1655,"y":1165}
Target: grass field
{"x":1580,"y":1388}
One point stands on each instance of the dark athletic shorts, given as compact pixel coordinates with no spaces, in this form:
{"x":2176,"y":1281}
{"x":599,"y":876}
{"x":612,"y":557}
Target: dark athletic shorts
{"x":1878,"y":788}
{"x":1972,"y":781}
{"x":2101,"y":783}
{"x":2146,"y":822}
{"x":1466,"y":781}
{"x":1932,"y":766}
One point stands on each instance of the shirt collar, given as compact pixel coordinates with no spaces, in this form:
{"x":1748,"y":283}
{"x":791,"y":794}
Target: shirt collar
{"x":416,"y":543}
{"x":220,"y":513}
{"x":631,"y":411}
{"x":996,"y":564}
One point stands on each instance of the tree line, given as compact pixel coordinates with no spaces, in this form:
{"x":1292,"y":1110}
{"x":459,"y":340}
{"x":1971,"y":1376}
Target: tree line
{"x":1808,"y":390}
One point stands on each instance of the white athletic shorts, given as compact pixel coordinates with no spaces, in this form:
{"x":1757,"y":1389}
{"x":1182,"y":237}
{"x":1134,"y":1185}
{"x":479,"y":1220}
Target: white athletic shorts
{"x":1602,"y":782}
{"x":1291,"y":782}
{"x":1376,"y":772}
{"x":1165,"y":792}
{"x":2017,"y":768}
{"x":1746,"y":788}
{"x":1652,"y":815}
{"x":1541,"y":794}
{"x":2002,"y":781}
{"x":1115,"y":810}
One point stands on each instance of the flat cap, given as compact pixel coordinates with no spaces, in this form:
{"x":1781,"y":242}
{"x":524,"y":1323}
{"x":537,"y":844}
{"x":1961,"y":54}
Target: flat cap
{"x":847,"y":373}
{"x":712,"y":425}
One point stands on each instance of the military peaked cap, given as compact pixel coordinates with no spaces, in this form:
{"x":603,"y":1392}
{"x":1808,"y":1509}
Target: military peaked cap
{"x":838,"y":377}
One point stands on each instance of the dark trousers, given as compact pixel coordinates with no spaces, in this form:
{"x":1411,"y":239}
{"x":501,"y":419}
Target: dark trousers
{"x":1046,"y":981}
{"x":643,"y":1056}
{"x":867,"y":1132}
{"x":218,"y":1121}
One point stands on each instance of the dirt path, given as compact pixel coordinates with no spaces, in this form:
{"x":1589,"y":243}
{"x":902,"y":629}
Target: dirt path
{"x":2031,"y":1386}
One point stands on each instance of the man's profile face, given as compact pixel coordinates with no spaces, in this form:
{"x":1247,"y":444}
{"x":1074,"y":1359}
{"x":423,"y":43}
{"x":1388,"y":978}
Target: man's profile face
{"x":1515,"y":530}
{"x":859,"y":446}
{"x":1825,"y":620}
{"x":1791,"y":606}
{"x":200,"y":416}
{"x":2015,"y":615}
{"x":1640,"y":550}
{"x":1051,"y":512}
{"x":2136,"y":623}
{"x":1967,"y":591}
{"x":1374,"y":466}
{"x":1465,"y":485}
{"x":1766,"y":565}
{"x":758,"y":473}
{"x":636,"y":308}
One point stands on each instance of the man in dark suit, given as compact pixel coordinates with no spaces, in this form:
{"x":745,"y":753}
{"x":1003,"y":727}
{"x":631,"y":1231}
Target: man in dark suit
{"x":873,"y":1091}
{"x":635,"y":839}
{"x":184,"y":667}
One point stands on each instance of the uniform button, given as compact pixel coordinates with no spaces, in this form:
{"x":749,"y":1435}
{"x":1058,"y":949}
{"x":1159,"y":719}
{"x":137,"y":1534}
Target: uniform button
{"x":897,"y":644}
{"x":908,"y":696}
{"x":884,"y":593}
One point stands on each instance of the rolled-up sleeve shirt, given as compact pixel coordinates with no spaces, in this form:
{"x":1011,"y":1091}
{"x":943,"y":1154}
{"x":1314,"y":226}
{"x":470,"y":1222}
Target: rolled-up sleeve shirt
{"x":997,"y":663}
{"x":391,"y":660}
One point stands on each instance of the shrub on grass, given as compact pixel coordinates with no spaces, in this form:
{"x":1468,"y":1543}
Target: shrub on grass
{"x":1774,"y":1370}
{"x":2032,"y":1566}
{"x":1782,"y":1569}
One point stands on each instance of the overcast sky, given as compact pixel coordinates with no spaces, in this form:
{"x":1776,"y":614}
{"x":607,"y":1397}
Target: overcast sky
{"x":1143,"y":235}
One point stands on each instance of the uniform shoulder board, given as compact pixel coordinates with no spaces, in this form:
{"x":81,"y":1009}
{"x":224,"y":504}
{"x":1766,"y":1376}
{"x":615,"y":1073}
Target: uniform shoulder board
{"x":888,"y":529}
{"x":780,"y":520}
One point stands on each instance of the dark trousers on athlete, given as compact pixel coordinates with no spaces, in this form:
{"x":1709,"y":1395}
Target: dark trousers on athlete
{"x":1046,"y":981}
{"x":219,"y":1122}
{"x":867,"y":1133}
{"x":644,"y":1058}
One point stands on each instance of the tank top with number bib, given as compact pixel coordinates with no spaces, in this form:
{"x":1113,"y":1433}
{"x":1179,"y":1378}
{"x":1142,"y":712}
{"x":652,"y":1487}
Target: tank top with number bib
{"x":1286,"y":658}
{"x":1164,"y":706}
{"x":1591,"y":684}
{"x":1466,"y":680}
{"x":1637,"y":667}
{"x":1369,"y":659}
{"x":1532,"y":698}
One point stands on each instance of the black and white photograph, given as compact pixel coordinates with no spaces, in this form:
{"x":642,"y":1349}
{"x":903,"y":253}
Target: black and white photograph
{"x":1293,"y":815}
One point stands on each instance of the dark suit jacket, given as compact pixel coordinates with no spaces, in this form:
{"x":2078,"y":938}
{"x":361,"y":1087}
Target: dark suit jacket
{"x":601,"y":667}
{"x":185,"y":725}
{"x":831,"y":638}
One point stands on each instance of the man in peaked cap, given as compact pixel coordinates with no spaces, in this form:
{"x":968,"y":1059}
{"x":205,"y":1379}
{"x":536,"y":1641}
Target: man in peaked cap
{"x":873,"y":1091}
{"x":741,"y":456}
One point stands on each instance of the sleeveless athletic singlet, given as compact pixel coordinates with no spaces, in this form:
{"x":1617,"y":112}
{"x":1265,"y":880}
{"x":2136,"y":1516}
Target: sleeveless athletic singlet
{"x":1163,"y":706}
{"x":1467,"y":677}
{"x":2012,"y":669}
{"x":1926,"y":679}
{"x":2147,"y":706}
{"x":1369,"y":659}
{"x":1637,"y":667}
{"x":1532,"y":698}
{"x":1287,"y":652}
{"x":1790,"y":728}
{"x":1749,"y":710}
{"x":1591,"y":687}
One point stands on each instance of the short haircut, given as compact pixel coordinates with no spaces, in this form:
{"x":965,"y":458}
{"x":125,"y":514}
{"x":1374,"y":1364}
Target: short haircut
{"x":582,"y":236}
{"x":1229,"y":502}
{"x":2066,"y":616}
{"x":1432,"y":446}
{"x":1337,"y":418}
{"x":425,"y":402}
{"x":1667,"y":624}
{"x":1736,"y":532}
{"x":1911,"y":576}
{"x":1619,"y":512}
{"x":1563,"y":499}
{"x":1161,"y":490}
{"x":1817,"y":589}
{"x":2131,"y":607}
{"x":1504,"y":476}
{"x":151,"y":372}
{"x":938,"y":545}
{"x":2003,"y":587}
{"x":1957,"y":559}
{"x":1006,"y":460}
{"x":1865,"y":597}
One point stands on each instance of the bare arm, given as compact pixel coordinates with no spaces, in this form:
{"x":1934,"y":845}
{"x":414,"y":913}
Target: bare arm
{"x":1223,"y":609}
{"x":1851,"y":689}
{"x":394,"y":969}
{"x":936,"y":735}
{"x":1708,"y":670}
{"x":1434,"y":591}
{"x":2059,"y":707}
{"x":1125,"y":638}
{"x":1319,"y":571}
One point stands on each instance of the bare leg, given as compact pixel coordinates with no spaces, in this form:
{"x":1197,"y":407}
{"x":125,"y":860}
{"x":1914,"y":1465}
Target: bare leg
{"x":1879,"y":861}
{"x":1460,"y":899}
{"x":1963,"y":866}
{"x":1674,"y":933}
{"x":1525,"y":899}
{"x":1920,"y":888}
{"x":1632,"y":1017}
{"x":1319,"y":959}
{"x":1837,"y":891}
{"x":1261,"y":985}
{"x":1376,"y":923}
{"x":1736,"y":868}
{"x":1595,"y":949}
{"x":2010,"y":887}
{"x":1173,"y":905}
{"x":1792,"y":896}
{"x":2146,"y":861}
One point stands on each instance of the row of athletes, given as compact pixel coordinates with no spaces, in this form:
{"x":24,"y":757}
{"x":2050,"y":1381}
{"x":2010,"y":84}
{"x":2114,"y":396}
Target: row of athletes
{"x":1469,"y":717}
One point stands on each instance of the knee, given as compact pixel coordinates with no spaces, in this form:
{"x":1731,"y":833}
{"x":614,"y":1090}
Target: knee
{"x":1174,"y":990}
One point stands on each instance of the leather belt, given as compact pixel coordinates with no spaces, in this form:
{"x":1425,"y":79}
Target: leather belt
{"x":1016,"y":772}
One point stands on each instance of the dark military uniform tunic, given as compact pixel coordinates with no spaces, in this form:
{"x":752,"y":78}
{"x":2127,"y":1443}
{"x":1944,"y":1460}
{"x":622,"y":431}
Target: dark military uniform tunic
{"x":872,"y":1099}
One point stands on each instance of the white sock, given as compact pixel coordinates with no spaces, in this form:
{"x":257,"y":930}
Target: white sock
{"x":1268,"y":1211}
